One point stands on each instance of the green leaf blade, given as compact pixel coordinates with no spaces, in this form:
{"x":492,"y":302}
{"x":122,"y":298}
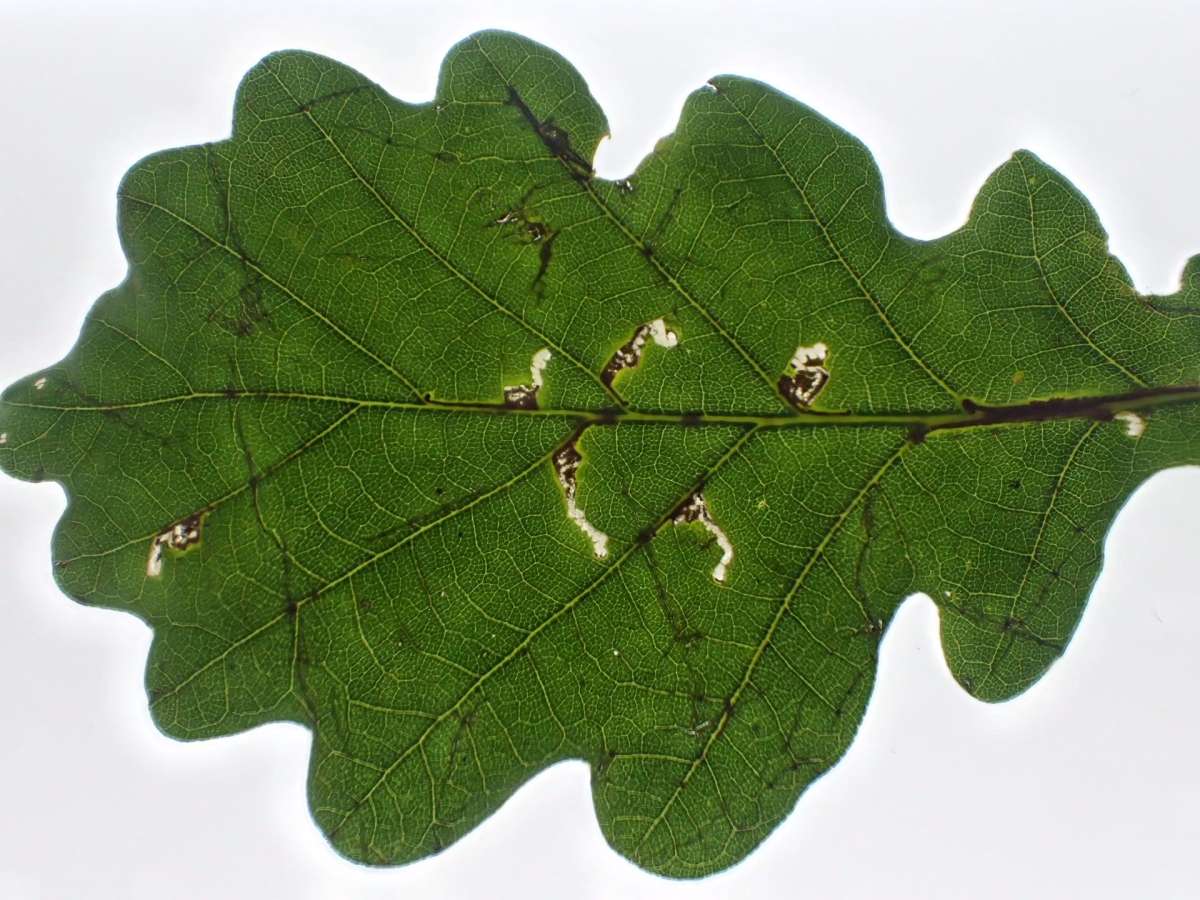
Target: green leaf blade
{"x":408,"y":427}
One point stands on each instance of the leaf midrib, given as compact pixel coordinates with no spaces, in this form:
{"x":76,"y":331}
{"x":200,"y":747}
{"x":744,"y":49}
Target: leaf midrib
{"x":1035,"y":409}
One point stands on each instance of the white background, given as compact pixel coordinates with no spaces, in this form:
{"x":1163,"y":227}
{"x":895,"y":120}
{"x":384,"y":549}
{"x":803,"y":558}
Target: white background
{"x":1086,"y":786}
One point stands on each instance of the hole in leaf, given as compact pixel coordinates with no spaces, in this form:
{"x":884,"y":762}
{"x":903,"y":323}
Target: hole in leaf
{"x":566,"y":464}
{"x":806,"y":374}
{"x":630,"y":354}
{"x":1134,"y":423}
{"x":524,"y":396}
{"x":695,"y":509}
{"x":181,"y":536}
